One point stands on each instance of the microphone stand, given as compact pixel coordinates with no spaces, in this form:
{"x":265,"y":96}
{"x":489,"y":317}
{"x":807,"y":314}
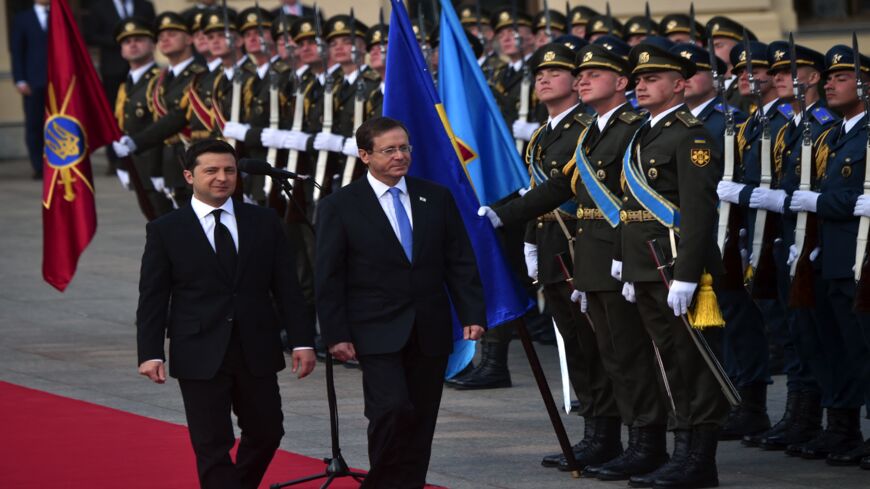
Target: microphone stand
{"x":336,"y":467}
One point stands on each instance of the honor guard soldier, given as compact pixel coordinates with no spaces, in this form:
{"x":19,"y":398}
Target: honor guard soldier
{"x":376,"y":44}
{"x":169,"y":96}
{"x":678,"y":28}
{"x":579,"y":18}
{"x":201,"y":111}
{"x":744,"y":339}
{"x":841,"y":159}
{"x":196,"y":22}
{"x":283,"y":41}
{"x":507,"y":82}
{"x":602,"y":25}
{"x":557,"y":23}
{"x":133,"y":107}
{"x":801,"y":351}
{"x":671,"y":169}
{"x":726,"y":34}
{"x":592,"y":179}
{"x":480,"y":27}
{"x":637,"y":29}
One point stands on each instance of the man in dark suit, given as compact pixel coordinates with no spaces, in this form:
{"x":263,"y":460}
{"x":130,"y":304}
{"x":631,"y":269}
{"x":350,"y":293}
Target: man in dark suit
{"x":29,"y":46}
{"x":218,"y":279}
{"x":392,"y":255}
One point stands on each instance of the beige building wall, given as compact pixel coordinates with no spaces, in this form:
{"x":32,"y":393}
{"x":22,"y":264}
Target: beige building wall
{"x":769,"y":19}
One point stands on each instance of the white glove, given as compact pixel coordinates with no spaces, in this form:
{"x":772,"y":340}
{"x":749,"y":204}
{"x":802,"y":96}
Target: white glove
{"x":159,"y":183}
{"x":124,"y":147}
{"x":273,"y":138}
{"x":815,"y":253}
{"x":531,"y":253}
{"x":580,"y":298}
{"x":729,"y":191}
{"x":628,"y":292}
{"x":524,"y":191}
{"x":234,"y":130}
{"x":124,"y":177}
{"x":804,"y":201}
{"x":792,"y":255}
{"x":862,"y":206}
{"x":680,"y":296}
{"x":523,"y":130}
{"x":325,"y":141}
{"x":490,"y":214}
{"x":616,"y":270}
{"x":350,"y":148}
{"x":766,"y":198}
{"x":297,"y":140}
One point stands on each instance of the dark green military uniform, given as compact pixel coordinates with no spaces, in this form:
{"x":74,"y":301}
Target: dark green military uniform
{"x":201,"y":111}
{"x":507,"y":81}
{"x":170,"y":100}
{"x":721,"y":26}
{"x":468,"y":17}
{"x":134,"y":114}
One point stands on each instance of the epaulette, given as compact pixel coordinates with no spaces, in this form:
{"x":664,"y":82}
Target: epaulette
{"x":822,"y":115}
{"x":584,"y":119}
{"x":371,"y":75}
{"x":629,"y":117}
{"x":197,"y":68}
{"x":688,"y":119}
{"x":786,"y":110}
{"x":720,"y":107}
{"x":280,"y":67}
{"x":250,"y":68}
{"x":633,"y":101}
{"x":154,"y":71}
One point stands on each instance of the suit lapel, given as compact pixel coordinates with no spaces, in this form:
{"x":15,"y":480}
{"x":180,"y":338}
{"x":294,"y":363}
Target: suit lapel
{"x":419,"y":211}
{"x":202,"y":246}
{"x":245,"y":236}
{"x":372,"y":210}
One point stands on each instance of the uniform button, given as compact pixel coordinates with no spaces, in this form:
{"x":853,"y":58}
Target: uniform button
{"x":554,"y":163}
{"x":848,"y":160}
{"x":540,"y":225}
{"x":625,"y":199}
{"x":652,"y":161}
{"x":600,"y":162}
{"x":229,"y":319}
{"x":579,"y":230}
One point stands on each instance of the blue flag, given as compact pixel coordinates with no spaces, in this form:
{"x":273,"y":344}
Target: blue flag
{"x":410,"y":97}
{"x":486,"y":147}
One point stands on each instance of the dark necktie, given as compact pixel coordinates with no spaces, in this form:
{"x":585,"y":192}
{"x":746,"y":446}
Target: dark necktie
{"x":170,"y":75}
{"x":224,"y":245}
{"x":130,"y":82}
{"x":405,"y":230}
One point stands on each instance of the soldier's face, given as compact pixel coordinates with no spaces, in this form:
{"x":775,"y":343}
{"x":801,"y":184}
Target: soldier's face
{"x":679,"y":37}
{"x":388,"y":169}
{"x":658,"y":91}
{"x":635,"y":40}
{"x":841,"y":90}
{"x":340,"y":50}
{"x":200,"y":43}
{"x":136,"y":49}
{"x":596,"y":85}
{"x":252,"y":40}
{"x":762,"y":79}
{"x":542,"y":38}
{"x":506,"y":40}
{"x":700,"y":86}
{"x":554,"y":84}
{"x":172,"y":42}
{"x":217,"y":43}
{"x":376,"y":59}
{"x":280,"y":43}
{"x":783,"y":85}
{"x":488,"y":35}
{"x":307,"y":51}
{"x":213,"y":178}
{"x":722,"y":46}
{"x":579,"y":30}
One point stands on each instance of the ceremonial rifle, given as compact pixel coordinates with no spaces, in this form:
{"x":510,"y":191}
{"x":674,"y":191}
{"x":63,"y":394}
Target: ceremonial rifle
{"x":274,"y":116}
{"x":236,"y":102}
{"x":648,"y":15}
{"x":761,"y":214}
{"x":548,"y":21}
{"x":487,"y":70}
{"x":692,"y":32}
{"x":323,"y":155}
{"x":358,"y":101}
{"x":609,"y":20}
{"x":526,"y":83}
{"x":862,"y":266}
{"x":421,"y":38}
{"x":728,"y":389}
{"x":299,"y":96}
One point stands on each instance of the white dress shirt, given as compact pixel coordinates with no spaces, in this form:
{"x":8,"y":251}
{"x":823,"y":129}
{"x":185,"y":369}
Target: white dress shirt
{"x":386,"y":200}
{"x":41,"y":15}
{"x":136,"y":74}
{"x":604,"y":119}
{"x":177,"y":69}
{"x":203,"y":212}
{"x":655,"y":120}
{"x":554,"y":121}
{"x":848,"y":124}
{"x":697,"y":110}
{"x":124,"y":8}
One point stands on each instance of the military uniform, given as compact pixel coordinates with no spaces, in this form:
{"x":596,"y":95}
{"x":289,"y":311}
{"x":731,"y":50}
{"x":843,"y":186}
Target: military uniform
{"x":169,"y":98}
{"x":507,"y":82}
{"x":489,"y":61}
{"x":721,"y":26}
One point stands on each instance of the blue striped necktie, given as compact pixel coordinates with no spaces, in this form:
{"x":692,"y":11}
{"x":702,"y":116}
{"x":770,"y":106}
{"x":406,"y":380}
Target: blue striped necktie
{"x":405,"y":233}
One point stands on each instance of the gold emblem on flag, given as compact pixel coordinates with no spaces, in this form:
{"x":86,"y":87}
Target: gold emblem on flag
{"x":700,"y":156}
{"x":549,"y":56}
{"x":129,"y":27}
{"x":643,"y":58}
{"x":587,"y":56}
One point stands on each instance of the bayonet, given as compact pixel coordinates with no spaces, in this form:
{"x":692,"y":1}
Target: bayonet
{"x":692,"y":27}
{"x":609,"y":20}
{"x":728,"y":150}
{"x":806,"y":165}
{"x":358,"y":102}
{"x":236,"y":102}
{"x":548,"y":21}
{"x":526,"y":83}
{"x":382,"y":44}
{"x":421,"y":38}
{"x":649,"y":24}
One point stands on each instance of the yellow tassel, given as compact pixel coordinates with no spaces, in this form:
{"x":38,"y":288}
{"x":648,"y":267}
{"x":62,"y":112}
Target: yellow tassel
{"x":706,"y":313}
{"x":748,"y":275}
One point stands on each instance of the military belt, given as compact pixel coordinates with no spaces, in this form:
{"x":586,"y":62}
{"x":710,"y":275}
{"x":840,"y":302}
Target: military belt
{"x":590,"y":214}
{"x":636,"y":216}
{"x":201,"y":134}
{"x":550,"y":217}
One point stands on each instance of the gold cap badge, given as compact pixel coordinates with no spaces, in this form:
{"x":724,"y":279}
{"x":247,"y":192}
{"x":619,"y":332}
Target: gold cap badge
{"x":587,"y":56}
{"x":643,"y":58}
{"x":339,"y":25}
{"x":129,"y":27}
{"x":549,"y":56}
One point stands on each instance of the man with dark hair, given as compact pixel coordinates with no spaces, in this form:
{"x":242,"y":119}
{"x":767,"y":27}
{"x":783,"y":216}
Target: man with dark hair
{"x":392,"y":256}
{"x":218,"y":279}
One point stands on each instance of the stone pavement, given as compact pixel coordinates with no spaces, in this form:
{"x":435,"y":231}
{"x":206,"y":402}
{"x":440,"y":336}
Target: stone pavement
{"x":81,"y":344}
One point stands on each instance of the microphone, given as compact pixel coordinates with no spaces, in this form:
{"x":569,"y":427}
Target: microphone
{"x":260,"y":167}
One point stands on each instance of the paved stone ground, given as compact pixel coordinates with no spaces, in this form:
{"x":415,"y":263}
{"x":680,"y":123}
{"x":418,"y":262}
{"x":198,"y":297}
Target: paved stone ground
{"x":81,"y":344}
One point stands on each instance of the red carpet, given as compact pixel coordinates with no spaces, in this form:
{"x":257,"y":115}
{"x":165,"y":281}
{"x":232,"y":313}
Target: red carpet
{"x":57,"y":442}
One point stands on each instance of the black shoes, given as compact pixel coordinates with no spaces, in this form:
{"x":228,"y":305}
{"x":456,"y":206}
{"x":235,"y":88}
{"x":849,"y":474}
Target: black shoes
{"x":750,"y":417}
{"x":682,"y":446}
{"x":699,"y":470}
{"x":806,"y":425}
{"x":588,"y":435}
{"x":842,"y":435}
{"x":647,"y":451}
{"x":789,"y":417}
{"x":491,"y":373}
{"x":605,"y":444}
{"x":855,"y":456}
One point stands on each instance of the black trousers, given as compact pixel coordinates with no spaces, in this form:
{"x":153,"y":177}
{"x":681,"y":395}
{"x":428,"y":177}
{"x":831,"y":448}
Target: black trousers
{"x":628,"y":358}
{"x":257,"y":404}
{"x":34,"y":116}
{"x":402,"y":393}
{"x":697,"y":396}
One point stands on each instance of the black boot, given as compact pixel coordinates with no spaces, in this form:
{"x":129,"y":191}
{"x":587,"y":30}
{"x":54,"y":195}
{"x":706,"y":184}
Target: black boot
{"x":865,"y":463}
{"x":492,"y":371}
{"x":682,"y":445}
{"x":842,"y":434}
{"x":647,"y":451}
{"x":789,"y":417}
{"x":699,"y":469}
{"x":605,"y":445}
{"x":750,"y":417}
{"x":588,"y":435}
{"x":807,"y":426}
{"x":852,"y":457}
{"x":462,"y":373}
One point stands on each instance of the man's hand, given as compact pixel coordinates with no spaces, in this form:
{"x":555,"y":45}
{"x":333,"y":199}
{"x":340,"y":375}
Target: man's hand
{"x":616,"y":269}
{"x":524,"y":130}
{"x":804,"y":201}
{"x":234,"y":130}
{"x":472,"y":332}
{"x":343,"y":351}
{"x":154,"y":370}
{"x":628,"y":292}
{"x":303,"y":362}
{"x":768,"y":198}
{"x":729,"y":191}
{"x":325,"y":141}
{"x":23,"y":88}
{"x":490,"y":214}
{"x":124,"y":147}
{"x":680,"y":296}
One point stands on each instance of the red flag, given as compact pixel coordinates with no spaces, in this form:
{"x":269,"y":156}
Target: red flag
{"x":78,"y":120}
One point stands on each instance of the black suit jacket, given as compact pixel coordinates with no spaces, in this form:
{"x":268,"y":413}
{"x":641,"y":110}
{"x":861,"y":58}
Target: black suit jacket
{"x":370,"y":294}
{"x":100,"y":25}
{"x":29,"y":47}
{"x":185,"y":294}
